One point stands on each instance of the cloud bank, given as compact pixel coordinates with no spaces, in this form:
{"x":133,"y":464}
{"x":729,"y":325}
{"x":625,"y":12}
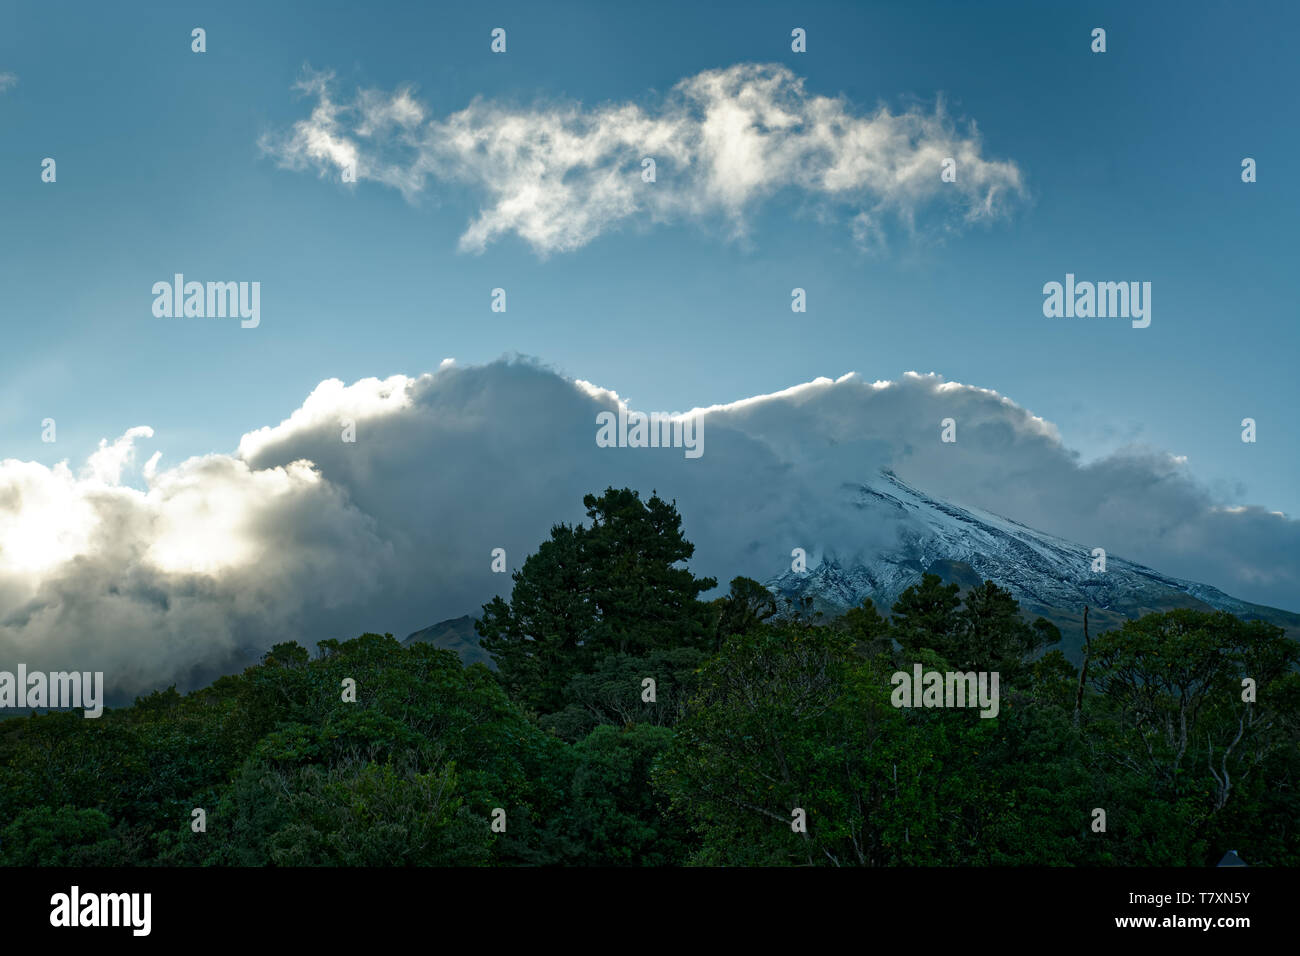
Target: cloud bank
{"x":301,"y":535}
{"x":560,"y":174}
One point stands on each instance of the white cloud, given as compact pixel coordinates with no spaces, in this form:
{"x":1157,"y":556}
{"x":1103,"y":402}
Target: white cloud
{"x":330,"y":404}
{"x":172,"y":583}
{"x":559,"y":174}
{"x":105,"y":465}
{"x":8,"y":80}
{"x":300,"y":535}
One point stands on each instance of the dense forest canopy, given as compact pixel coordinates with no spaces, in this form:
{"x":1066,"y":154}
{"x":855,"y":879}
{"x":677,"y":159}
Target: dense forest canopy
{"x":631,"y":723}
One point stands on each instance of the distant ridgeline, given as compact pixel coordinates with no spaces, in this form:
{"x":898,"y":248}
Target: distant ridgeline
{"x":457,"y":635}
{"x":1049,"y":576}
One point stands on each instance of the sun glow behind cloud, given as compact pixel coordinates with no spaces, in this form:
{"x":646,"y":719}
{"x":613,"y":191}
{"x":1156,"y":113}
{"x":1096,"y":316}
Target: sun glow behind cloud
{"x":300,"y":534}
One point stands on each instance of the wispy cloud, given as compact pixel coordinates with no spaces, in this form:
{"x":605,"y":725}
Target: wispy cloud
{"x":560,"y":174}
{"x":7,"y":80}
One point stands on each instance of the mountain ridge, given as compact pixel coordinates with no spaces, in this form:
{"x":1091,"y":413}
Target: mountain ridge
{"x":1048,"y":575}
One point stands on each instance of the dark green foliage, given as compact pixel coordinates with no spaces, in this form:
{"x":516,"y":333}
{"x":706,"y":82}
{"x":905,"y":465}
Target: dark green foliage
{"x":64,"y":837}
{"x":925,"y":615}
{"x":747,"y":605}
{"x":798,"y":716}
{"x":991,"y":635}
{"x":614,"y":692}
{"x":616,"y":818}
{"x":539,"y":640}
{"x":1170,"y":719}
{"x":612,"y":588}
{"x":754,"y":714}
{"x":870,"y":632}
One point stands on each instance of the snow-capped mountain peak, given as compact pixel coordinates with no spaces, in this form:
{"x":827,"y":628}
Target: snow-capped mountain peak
{"x":1047,"y":575}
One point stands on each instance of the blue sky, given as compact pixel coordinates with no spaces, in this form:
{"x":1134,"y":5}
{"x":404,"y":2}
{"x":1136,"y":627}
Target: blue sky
{"x":1130,"y":163}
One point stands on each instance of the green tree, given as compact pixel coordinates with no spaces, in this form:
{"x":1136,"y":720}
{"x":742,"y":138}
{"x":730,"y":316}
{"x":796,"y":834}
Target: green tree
{"x":1172,"y":714}
{"x":67,"y":836}
{"x":925,"y":616}
{"x":614,"y":692}
{"x":870,"y":631}
{"x":615,"y":816}
{"x":789,"y":717}
{"x":746,"y":605}
{"x":991,"y":634}
{"x":612,"y":588}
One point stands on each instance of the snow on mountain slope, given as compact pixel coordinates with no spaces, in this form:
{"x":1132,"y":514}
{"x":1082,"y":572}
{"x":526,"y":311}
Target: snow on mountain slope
{"x":1047,"y":575}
